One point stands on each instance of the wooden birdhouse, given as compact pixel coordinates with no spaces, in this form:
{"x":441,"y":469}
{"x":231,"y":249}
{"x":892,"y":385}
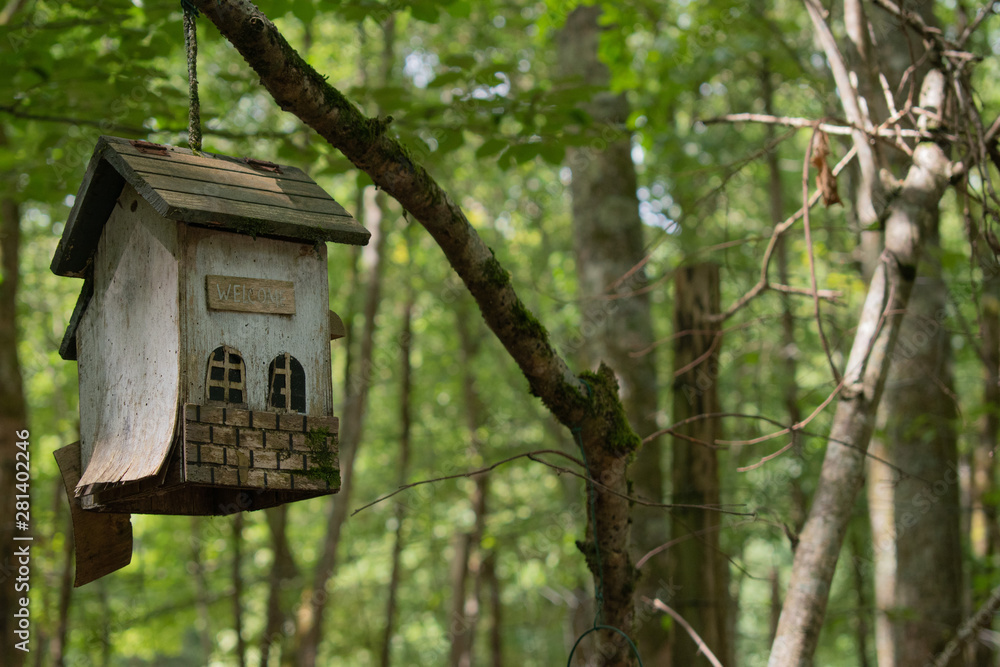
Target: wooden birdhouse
{"x":202,"y":335}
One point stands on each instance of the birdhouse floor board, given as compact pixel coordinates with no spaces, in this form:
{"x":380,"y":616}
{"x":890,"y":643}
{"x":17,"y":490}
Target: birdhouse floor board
{"x":235,"y":192}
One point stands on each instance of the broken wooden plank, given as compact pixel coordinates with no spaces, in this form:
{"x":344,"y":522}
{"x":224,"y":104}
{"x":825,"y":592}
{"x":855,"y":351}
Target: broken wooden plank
{"x":103,"y":542}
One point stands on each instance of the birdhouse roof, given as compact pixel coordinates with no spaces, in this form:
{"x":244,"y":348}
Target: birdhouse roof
{"x":243,"y":195}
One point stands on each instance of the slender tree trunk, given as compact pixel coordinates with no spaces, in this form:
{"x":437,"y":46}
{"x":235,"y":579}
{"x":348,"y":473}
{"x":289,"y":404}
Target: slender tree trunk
{"x":789,"y":350}
{"x":468,"y":557}
{"x":922,"y":580}
{"x":496,"y":610}
{"x":313,"y":605}
{"x":283,"y":572}
{"x":309,"y":626}
{"x":405,"y":423}
{"x":13,"y":419}
{"x":616,"y":322}
{"x":699,"y":566}
{"x":201,"y":589}
{"x":985,"y":533}
{"x":865,"y":376}
{"x":57,"y":649}
{"x":241,"y":647}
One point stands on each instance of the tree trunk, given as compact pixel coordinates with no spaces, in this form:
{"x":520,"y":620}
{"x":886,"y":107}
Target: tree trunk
{"x":699,"y":567}
{"x":309,"y":626}
{"x":283,"y":571}
{"x":13,"y":419}
{"x":922,"y":441}
{"x":616,"y":322}
{"x":57,"y":649}
{"x":985,"y":538}
{"x":589,"y":405}
{"x":241,"y":647}
{"x":405,"y":422}
{"x":313,"y":604}
{"x":864,"y":380}
{"x":468,"y":557}
{"x":921,"y":578}
{"x":496,"y":610}
{"x":204,"y":628}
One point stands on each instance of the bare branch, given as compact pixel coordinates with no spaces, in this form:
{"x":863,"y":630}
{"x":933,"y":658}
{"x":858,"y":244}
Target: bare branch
{"x":809,"y":246}
{"x":806,"y":123}
{"x":983,"y":12}
{"x":763,"y":283}
{"x":870,"y":192}
{"x":533,"y":456}
{"x":687,"y":626}
{"x":914,"y":20}
{"x":982,"y":619}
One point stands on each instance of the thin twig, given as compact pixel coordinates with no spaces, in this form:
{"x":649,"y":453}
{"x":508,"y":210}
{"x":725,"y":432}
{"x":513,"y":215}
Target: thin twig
{"x":806,"y":123}
{"x":812,"y":258}
{"x":983,"y":12}
{"x":779,"y":229}
{"x":969,"y":628}
{"x":914,"y":20}
{"x":533,"y":456}
{"x":811,"y":434}
{"x":702,"y":648}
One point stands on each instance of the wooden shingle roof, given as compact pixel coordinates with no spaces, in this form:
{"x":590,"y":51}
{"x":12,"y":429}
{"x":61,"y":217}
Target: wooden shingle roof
{"x":249,"y":196}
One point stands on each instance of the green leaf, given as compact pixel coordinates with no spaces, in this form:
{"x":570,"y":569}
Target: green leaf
{"x":460,"y":60}
{"x":442,"y":80}
{"x":525,"y":152}
{"x":491,"y":147}
{"x":425,"y":11}
{"x":552,"y":152}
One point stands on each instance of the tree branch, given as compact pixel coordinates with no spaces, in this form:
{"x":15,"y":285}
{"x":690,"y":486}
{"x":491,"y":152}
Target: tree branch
{"x":687,"y":627}
{"x":982,"y":618}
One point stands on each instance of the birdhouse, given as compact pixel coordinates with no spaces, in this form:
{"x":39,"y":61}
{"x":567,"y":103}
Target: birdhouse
{"x":202,"y":336}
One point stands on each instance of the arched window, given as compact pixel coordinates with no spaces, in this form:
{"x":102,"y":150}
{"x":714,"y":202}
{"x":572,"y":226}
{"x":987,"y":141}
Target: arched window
{"x":226,"y":381}
{"x":286,"y":383}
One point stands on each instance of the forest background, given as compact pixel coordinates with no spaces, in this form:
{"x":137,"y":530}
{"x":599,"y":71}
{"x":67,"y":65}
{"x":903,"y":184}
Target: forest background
{"x":606,"y":156}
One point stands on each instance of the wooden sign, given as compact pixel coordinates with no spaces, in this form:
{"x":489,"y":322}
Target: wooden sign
{"x":250,"y":295}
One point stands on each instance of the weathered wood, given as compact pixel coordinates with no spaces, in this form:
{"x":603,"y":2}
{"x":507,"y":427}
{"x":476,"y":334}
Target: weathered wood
{"x":145,"y":166}
{"x":224,"y":190}
{"x":192,"y":188}
{"x":130,"y":347}
{"x":181,"y":155}
{"x":260,"y":219}
{"x":67,"y":349}
{"x":250,"y":295}
{"x":258,"y":338}
{"x":103,"y":542}
{"x":94,"y":202}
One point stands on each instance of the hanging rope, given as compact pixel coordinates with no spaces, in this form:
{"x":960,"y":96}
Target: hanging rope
{"x":191,"y":45}
{"x":599,"y":591}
